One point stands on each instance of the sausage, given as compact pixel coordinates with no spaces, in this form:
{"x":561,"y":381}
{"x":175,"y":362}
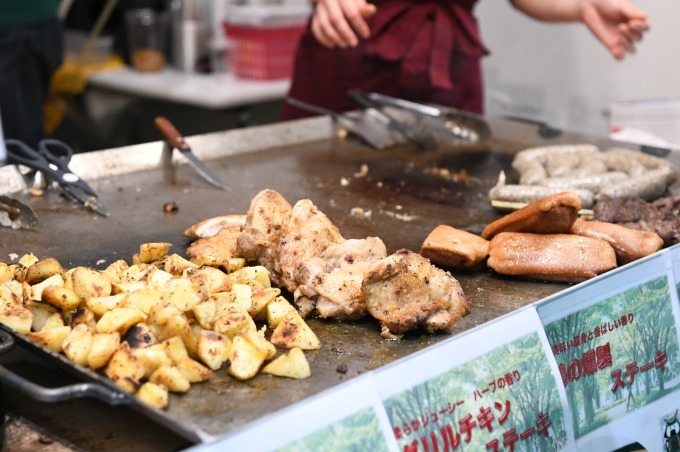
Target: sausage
{"x":530,"y":193}
{"x":594,"y":183}
{"x":531,"y":172}
{"x":647,"y":186}
{"x":455,"y":249}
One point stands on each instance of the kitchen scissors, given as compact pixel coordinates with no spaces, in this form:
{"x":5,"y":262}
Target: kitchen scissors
{"x":51,"y":158}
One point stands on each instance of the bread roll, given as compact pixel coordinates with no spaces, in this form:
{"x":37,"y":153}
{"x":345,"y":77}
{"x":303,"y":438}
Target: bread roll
{"x":550,"y":257}
{"x":553,"y":214}
{"x":456,"y":249}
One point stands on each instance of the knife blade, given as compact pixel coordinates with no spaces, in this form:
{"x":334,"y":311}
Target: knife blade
{"x":177,"y":141}
{"x":15,"y":214}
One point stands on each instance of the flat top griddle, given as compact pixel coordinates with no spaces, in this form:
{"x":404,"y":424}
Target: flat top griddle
{"x":404,"y":194}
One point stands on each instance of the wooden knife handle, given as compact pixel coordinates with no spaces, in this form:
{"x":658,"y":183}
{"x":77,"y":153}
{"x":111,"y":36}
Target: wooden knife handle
{"x":171,"y":134}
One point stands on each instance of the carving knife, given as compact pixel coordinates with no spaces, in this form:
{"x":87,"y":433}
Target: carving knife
{"x":177,"y":141}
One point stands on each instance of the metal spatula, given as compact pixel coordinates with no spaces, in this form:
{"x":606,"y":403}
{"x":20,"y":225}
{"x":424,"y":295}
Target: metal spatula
{"x":461,"y":124}
{"x":363,"y":127}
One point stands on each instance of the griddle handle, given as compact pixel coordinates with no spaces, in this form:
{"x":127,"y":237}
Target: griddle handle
{"x":71,"y":392}
{"x":171,"y":134}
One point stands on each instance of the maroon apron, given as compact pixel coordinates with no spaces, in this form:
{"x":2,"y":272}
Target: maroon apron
{"x":425,"y":51}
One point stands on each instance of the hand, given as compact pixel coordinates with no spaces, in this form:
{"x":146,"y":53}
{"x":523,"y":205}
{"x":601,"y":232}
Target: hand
{"x":616,"y":23}
{"x":340,"y":23}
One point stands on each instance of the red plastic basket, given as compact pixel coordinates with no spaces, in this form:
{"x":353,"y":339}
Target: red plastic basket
{"x":262,"y":52}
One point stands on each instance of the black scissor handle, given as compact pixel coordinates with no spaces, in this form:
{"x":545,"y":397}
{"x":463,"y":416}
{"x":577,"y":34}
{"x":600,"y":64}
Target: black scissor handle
{"x":56,"y":152}
{"x":20,"y":153}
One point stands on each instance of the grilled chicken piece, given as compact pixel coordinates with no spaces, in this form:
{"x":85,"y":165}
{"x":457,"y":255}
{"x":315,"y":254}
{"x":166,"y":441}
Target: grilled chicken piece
{"x":215,"y":250}
{"x":404,"y":291}
{"x":305,"y":236}
{"x":269,"y":213}
{"x":211,"y":226}
{"x":331,"y":283}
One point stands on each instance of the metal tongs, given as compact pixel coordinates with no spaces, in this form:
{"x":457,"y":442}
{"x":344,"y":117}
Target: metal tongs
{"x":422,"y":137}
{"x":373,"y":133}
{"x":461,"y":124}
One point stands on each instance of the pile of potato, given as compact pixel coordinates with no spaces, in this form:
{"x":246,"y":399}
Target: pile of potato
{"x":159,"y":324}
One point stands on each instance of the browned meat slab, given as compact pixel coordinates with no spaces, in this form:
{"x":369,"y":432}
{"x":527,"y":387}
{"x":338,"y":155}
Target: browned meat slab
{"x":455,"y":249}
{"x":550,"y":257}
{"x":629,"y":245}
{"x":553,"y":214}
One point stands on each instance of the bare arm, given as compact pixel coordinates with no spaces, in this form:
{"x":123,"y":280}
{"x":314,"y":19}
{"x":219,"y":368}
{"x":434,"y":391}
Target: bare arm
{"x":340,"y":23}
{"x":618,"y":24}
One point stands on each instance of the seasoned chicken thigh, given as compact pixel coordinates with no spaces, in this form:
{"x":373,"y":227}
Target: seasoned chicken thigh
{"x":269,"y":213}
{"x":404,"y":291}
{"x":331,"y":283}
{"x":306,"y":235}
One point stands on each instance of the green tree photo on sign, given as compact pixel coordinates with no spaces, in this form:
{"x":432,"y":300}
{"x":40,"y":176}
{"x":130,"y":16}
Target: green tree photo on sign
{"x":617,"y":355}
{"x":504,"y":399}
{"x":359,"y":432}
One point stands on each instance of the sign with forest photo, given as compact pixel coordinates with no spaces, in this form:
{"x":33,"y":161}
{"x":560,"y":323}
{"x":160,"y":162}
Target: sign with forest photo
{"x":618,"y":354}
{"x":506,"y":399}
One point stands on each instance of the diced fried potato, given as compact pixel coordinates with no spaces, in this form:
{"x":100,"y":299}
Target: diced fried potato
{"x":43,"y":270}
{"x":88,"y":282}
{"x":152,"y":358}
{"x":292,"y":364}
{"x":205,"y":314}
{"x":140,"y":336}
{"x":235,"y":263}
{"x":114,"y":270}
{"x":77,"y":344}
{"x":179,"y":326}
{"x":243,"y":295}
{"x":176,"y":264}
{"x":18,"y":289}
{"x":127,"y":287}
{"x":103,"y":348}
{"x":124,"y":369}
{"x":208,"y":279}
{"x":100,"y":305}
{"x":136,"y":273}
{"x":213,"y":349}
{"x":119,"y":320}
{"x":171,"y":378}
{"x":154,"y":394}
{"x":54,"y":321}
{"x":28,"y":259}
{"x":51,"y":338}
{"x":52,"y":281}
{"x":160,"y":314}
{"x":257,"y":339}
{"x":157,"y":279}
{"x":149,"y":252}
{"x":18,"y":318}
{"x":245,"y":359}
{"x":293,"y":332}
{"x":8,"y":297}
{"x":180,"y":292}
{"x":260,"y":299}
{"x":257,"y":273}
{"x":277,"y":310}
{"x":175,"y":348}
{"x":144,"y":299}
{"x":6,"y":272}
{"x":232,"y":319}
{"x":84,"y":315}
{"x":41,"y":312}
{"x":194,"y":371}
{"x":61,"y":297}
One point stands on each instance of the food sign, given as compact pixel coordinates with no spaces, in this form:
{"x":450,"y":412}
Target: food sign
{"x":616,"y":348}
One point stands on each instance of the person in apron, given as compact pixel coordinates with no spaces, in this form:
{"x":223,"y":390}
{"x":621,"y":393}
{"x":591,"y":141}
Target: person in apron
{"x":425,"y":50}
